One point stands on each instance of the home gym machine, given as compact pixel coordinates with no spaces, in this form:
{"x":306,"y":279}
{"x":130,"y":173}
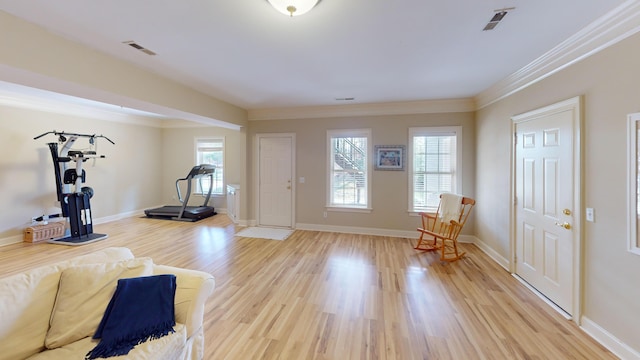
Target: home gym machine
{"x":185,"y":212}
{"x":73,"y":197}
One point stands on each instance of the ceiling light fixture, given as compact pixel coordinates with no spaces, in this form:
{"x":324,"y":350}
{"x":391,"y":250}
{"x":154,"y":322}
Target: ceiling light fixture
{"x":293,"y":7}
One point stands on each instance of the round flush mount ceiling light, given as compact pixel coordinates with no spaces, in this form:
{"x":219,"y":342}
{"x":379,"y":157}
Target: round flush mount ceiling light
{"x":293,"y":7}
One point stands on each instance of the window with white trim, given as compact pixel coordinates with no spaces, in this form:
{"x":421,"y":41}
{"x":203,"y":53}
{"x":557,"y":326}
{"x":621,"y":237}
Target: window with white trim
{"x":633,"y":183}
{"x":435,"y":156}
{"x":211,"y":151}
{"x":348,"y":169}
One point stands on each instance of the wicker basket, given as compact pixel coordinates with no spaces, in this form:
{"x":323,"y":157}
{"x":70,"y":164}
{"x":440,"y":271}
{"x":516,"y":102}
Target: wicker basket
{"x":49,"y":231}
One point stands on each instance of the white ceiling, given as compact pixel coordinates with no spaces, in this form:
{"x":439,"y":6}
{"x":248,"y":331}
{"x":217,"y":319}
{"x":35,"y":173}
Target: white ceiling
{"x":376,"y":51}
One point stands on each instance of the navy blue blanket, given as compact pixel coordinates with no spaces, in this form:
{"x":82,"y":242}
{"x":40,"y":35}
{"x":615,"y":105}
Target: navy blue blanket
{"x":141,"y":309}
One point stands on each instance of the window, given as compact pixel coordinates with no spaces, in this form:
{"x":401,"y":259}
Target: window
{"x":633,"y":184}
{"x":211,"y":151}
{"x":434,"y":159}
{"x":348,"y":169}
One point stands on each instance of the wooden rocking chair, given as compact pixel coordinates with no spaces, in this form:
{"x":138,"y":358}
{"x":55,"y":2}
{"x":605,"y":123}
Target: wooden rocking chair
{"x":436,"y":234}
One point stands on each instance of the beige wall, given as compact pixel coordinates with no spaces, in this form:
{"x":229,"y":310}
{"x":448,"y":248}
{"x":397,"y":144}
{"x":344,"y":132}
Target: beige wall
{"x":178,"y":157}
{"x":27,"y":183}
{"x":389,"y":196}
{"x":33,"y":56}
{"x":609,"y":83}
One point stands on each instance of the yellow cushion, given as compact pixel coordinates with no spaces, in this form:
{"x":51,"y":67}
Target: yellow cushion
{"x":83,"y":295}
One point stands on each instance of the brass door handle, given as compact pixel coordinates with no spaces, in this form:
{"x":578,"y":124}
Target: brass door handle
{"x":565,"y":225}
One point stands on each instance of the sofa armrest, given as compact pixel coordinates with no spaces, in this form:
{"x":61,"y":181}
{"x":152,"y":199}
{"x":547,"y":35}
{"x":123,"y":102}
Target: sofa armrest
{"x":193,"y":289}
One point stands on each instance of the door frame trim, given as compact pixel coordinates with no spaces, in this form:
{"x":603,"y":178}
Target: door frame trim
{"x":256,"y":173}
{"x":573,"y":104}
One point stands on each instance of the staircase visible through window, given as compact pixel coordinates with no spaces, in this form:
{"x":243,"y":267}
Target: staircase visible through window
{"x":348,"y":168}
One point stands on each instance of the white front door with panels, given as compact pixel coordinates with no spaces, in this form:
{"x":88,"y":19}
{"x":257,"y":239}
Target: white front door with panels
{"x":275,"y":180}
{"x":545,"y":201}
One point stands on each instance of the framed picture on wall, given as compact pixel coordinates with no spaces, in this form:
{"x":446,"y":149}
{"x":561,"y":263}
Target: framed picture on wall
{"x":389,"y":157}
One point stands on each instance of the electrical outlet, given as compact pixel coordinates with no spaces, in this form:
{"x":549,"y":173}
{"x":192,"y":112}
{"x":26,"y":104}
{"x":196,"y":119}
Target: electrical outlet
{"x":590,"y":215}
{"x":325,"y":214}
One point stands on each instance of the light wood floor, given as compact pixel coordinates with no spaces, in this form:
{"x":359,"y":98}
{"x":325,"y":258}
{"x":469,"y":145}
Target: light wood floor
{"x":340,"y":296}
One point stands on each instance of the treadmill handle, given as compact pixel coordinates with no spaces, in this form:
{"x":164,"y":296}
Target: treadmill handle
{"x":178,"y":189}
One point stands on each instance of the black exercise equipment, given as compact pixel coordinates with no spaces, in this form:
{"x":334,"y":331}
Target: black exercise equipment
{"x":74,"y":198}
{"x":185,"y":212}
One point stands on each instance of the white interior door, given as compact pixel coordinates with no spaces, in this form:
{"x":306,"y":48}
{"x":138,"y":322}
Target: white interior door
{"x":275,"y":180}
{"x":546,"y":214}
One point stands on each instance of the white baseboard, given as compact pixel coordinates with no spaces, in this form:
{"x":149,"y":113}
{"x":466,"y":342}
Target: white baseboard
{"x":124,"y":215}
{"x":139,"y":212}
{"x":409,"y":234}
{"x":499,"y":259}
{"x":11,"y":240}
{"x":244,"y":222}
{"x":357,"y":230}
{"x":239,"y":222}
{"x":620,"y":349}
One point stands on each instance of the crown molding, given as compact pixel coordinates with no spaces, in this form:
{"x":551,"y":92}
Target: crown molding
{"x":616,"y":25}
{"x":390,"y":108}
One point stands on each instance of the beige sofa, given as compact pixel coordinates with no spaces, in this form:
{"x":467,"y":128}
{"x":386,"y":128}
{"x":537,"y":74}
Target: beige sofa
{"x":51,"y":312}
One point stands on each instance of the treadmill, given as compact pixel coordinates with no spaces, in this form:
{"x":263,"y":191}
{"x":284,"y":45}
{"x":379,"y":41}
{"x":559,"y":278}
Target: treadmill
{"x":185,"y":212}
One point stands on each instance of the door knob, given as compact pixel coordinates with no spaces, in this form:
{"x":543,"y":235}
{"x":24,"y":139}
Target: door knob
{"x":565,"y":225}
{"x":566,"y":212}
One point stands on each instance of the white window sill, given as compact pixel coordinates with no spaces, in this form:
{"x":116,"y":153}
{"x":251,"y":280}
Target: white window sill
{"x":413,"y":212}
{"x":349,"y":209}
{"x":635,"y":250}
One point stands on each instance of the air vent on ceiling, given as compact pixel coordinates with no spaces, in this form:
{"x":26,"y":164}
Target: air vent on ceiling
{"x":497,"y":17}
{"x":137,"y":46}
{"x":345,"y":99}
